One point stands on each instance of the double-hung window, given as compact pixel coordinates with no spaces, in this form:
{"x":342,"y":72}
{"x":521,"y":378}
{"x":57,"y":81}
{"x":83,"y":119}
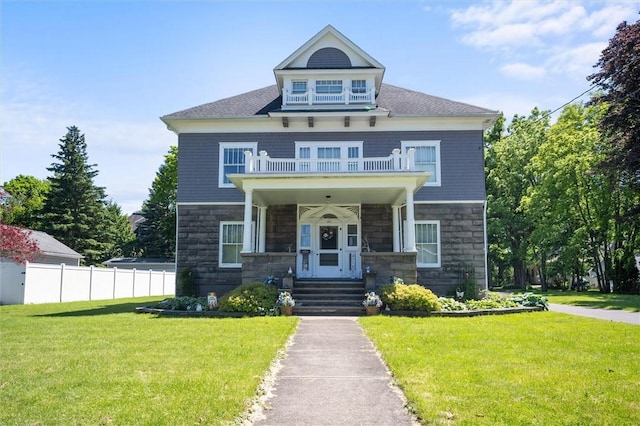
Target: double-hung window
{"x":328,"y":86}
{"x":428,"y":243}
{"x":231,"y":237}
{"x":427,"y":158}
{"x":329,"y":156}
{"x":232,"y":160}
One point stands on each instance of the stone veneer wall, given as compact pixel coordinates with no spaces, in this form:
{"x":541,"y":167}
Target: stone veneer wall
{"x":198,"y":232}
{"x":281,"y":229}
{"x":258,"y":266}
{"x":377,"y":227}
{"x":461,"y":244}
{"x":387,"y":265}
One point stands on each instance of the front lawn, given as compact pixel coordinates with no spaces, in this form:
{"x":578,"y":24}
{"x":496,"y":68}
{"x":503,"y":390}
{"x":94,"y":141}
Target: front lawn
{"x":100,"y":363}
{"x":594,"y":299}
{"x":536,"y":368}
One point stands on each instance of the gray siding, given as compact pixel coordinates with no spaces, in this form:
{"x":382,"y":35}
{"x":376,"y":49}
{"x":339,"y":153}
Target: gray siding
{"x":461,"y":154}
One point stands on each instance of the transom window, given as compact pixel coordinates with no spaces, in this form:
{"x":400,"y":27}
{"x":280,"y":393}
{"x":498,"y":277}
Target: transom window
{"x":328,"y":86}
{"x":232,"y":160}
{"x":298,"y":87}
{"x":427,"y":158}
{"x":428,"y":243}
{"x":358,"y":86}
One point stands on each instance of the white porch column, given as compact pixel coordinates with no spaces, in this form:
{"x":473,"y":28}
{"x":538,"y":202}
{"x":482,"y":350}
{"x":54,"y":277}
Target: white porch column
{"x":411,"y":223}
{"x":248,"y":210}
{"x":396,"y":228}
{"x":262,"y":235}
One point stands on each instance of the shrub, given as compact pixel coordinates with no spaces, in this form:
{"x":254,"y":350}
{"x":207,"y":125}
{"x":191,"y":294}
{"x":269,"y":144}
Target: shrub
{"x":256,"y":298}
{"x":449,"y":304}
{"x":530,"y":299}
{"x":492,"y":301}
{"x":411,"y":297}
{"x":182,"y":303}
{"x":187,"y":283}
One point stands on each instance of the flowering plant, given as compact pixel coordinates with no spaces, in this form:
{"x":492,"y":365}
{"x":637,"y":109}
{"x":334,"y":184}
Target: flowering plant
{"x":372,"y":299}
{"x":285,"y":299}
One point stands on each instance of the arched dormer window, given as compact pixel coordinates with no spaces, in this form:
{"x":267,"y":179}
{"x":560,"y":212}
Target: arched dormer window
{"x":329,"y":57}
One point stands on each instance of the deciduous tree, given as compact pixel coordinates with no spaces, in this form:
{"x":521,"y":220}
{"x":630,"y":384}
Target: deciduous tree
{"x":24,"y":207}
{"x":16,"y":244}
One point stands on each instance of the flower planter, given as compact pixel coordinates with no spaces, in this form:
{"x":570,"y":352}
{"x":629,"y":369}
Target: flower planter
{"x":372,"y":310}
{"x":286,"y":310}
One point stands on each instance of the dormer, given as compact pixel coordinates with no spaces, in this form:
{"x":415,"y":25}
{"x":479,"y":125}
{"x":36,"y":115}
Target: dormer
{"x":329,"y":72}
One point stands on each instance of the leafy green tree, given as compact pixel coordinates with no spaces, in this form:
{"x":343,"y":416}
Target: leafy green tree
{"x":118,"y":235}
{"x":24,"y":207}
{"x":74,"y":210}
{"x":157,"y":233}
{"x":509,"y":179}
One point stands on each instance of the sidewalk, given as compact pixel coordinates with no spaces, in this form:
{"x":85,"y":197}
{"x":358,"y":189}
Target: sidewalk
{"x":332,"y":375}
{"x":604,"y":314}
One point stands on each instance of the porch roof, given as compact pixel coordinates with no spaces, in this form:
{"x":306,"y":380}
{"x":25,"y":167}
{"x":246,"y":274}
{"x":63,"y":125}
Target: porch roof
{"x":313,"y":188}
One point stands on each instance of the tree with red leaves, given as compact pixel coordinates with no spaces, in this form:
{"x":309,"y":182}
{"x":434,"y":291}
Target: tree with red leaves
{"x":619,"y":80}
{"x":16,"y":244}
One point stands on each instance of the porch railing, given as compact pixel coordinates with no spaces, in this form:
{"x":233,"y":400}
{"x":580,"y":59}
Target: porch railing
{"x":311,"y":97}
{"x":397,"y":161}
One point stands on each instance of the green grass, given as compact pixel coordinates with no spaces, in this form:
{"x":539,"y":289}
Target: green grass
{"x":540,"y":368}
{"x":100,"y":363}
{"x":594,"y":299}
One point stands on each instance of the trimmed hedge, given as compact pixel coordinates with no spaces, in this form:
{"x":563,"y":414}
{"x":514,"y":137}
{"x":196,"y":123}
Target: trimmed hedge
{"x":413,"y":297}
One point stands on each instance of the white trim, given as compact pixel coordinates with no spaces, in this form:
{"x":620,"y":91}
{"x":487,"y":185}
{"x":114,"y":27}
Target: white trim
{"x":406,"y":144}
{"x":225,"y":145}
{"x":450,"y":202}
{"x":221,"y":226}
{"x":439,"y":244}
{"x":210,"y":203}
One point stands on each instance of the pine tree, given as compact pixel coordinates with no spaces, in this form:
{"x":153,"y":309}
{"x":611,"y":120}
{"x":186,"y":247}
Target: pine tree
{"x":157,"y":234}
{"x":75,"y":208}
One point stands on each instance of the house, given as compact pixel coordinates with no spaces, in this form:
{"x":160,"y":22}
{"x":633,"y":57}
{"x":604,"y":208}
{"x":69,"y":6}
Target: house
{"x":333,"y":174}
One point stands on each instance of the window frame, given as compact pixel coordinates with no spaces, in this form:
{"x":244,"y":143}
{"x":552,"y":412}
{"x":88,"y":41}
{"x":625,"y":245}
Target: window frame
{"x":221,"y":243}
{"x":227,"y":145}
{"x":298,"y":92}
{"x":331,"y":86}
{"x":359,"y":86}
{"x":405,"y":145}
{"x":438,"y":263}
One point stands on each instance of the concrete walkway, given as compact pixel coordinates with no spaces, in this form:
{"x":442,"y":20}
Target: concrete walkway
{"x":332,"y":375}
{"x":603,"y":314}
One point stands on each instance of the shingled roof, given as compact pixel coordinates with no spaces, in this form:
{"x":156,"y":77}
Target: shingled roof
{"x":399,"y":101}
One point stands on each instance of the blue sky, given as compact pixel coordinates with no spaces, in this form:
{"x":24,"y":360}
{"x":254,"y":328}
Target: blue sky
{"x":112,"y":68}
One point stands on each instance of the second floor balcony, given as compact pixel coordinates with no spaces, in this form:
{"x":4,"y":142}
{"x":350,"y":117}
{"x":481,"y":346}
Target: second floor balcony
{"x":311,"y":97}
{"x":395,"y":162}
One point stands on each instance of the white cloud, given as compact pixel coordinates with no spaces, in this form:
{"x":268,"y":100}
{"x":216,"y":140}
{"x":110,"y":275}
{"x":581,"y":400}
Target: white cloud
{"x":522,"y":71}
{"x":551,"y":37}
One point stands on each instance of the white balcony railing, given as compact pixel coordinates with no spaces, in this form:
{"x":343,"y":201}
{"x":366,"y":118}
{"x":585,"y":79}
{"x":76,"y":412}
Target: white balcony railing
{"x":310,"y":97}
{"x":397,"y":161}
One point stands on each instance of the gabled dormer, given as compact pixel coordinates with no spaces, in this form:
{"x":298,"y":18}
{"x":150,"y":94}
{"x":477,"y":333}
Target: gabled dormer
{"x":329,"y":72}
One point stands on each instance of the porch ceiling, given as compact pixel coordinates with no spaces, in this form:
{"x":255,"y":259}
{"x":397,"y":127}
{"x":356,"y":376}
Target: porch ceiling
{"x":306,"y":188}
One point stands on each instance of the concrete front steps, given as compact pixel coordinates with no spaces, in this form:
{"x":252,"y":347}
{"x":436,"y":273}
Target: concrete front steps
{"x":324,"y":297}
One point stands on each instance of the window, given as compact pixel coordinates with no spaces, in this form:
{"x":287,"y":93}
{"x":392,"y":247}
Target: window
{"x":427,"y":158}
{"x":358,"y":86}
{"x":231,"y":235}
{"x":299,"y":87}
{"x":327,"y":156}
{"x":232,"y":160}
{"x":428,"y":243}
{"x":328,"y":86}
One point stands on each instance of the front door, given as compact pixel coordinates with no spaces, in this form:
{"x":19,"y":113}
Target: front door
{"x":329,"y":250}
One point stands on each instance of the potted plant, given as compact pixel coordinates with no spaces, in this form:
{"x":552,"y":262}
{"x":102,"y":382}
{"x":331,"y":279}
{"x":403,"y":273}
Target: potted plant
{"x":372,"y":303}
{"x":286,"y":303}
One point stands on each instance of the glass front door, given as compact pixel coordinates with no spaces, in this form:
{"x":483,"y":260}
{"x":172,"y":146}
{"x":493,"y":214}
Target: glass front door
{"x":329,"y":250}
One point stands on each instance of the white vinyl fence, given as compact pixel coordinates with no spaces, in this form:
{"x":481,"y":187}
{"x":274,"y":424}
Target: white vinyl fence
{"x":45,"y":283}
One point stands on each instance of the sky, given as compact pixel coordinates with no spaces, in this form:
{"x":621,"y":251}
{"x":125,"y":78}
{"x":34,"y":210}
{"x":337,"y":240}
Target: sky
{"x":112,"y":68}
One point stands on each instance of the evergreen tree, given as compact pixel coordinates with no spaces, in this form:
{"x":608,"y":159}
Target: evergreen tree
{"x":75,"y":208}
{"x":157,"y":234}
{"x":117,"y":233}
